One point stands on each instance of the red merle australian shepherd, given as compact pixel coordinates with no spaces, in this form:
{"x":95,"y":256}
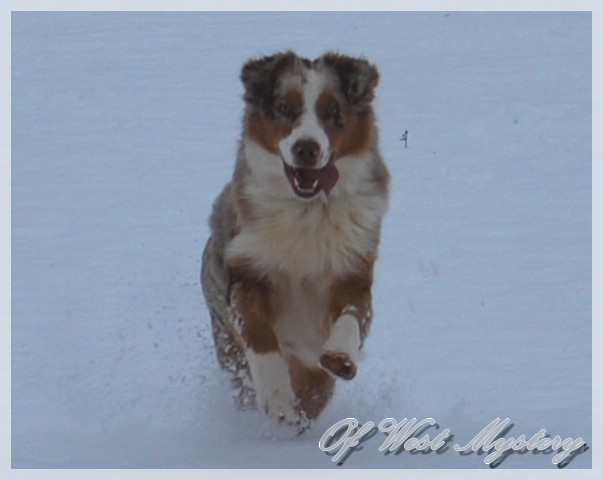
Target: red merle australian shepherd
{"x":287,"y":271}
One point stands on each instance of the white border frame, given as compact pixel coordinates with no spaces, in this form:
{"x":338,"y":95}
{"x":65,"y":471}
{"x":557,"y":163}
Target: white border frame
{"x":596,"y":7}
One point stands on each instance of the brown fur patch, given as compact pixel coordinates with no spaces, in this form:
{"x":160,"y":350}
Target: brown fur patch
{"x":313,"y":387}
{"x":268,"y":128}
{"x":265,"y":131}
{"x":292,"y":100}
{"x":350,"y":132}
{"x":251,"y":301}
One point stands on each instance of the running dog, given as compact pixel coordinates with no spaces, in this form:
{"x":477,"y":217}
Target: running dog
{"x":288,"y":268}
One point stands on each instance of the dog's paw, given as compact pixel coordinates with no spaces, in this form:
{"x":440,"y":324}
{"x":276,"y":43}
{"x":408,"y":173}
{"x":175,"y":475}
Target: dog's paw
{"x":341,"y":350}
{"x":278,"y":407}
{"x":286,"y":414}
{"x":303,"y":424}
{"x":339,"y":364}
{"x":272,"y":384}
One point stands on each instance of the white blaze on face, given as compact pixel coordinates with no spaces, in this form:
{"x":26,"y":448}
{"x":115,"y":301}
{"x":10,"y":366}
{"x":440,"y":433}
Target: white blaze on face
{"x":309,"y":127}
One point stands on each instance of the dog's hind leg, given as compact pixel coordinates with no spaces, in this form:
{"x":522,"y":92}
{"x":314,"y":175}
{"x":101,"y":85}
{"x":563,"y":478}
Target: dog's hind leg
{"x":227,"y":343}
{"x":232,"y":359}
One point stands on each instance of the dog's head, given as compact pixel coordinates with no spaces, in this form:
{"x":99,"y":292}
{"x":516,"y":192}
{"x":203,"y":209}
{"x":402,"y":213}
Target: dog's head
{"x":310,"y":114}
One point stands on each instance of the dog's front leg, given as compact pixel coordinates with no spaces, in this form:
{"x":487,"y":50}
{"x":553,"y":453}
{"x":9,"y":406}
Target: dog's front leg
{"x":268,"y":368}
{"x":350,"y":318}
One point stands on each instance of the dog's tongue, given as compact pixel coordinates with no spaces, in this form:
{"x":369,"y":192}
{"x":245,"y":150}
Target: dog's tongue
{"x":308,"y":182}
{"x":326,"y":177}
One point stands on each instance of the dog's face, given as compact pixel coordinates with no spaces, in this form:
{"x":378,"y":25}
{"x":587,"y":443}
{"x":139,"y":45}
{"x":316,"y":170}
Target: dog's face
{"x":310,"y":114}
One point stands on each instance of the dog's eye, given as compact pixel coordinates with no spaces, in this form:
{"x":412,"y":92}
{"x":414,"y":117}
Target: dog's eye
{"x":334,"y":116}
{"x":334,"y":111}
{"x":284,"y":110}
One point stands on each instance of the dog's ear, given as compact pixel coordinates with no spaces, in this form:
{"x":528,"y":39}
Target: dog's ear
{"x":259,"y":76}
{"x":357,"y":78}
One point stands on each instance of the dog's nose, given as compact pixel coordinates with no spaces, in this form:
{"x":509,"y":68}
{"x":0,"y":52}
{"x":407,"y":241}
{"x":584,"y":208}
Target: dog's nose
{"x":305,"y":152}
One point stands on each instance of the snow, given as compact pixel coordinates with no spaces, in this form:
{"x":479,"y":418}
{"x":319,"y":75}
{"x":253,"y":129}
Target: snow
{"x":125,"y":128}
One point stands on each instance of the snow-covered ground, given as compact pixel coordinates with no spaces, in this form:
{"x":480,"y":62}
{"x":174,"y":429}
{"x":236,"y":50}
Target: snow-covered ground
{"x":125,"y":127}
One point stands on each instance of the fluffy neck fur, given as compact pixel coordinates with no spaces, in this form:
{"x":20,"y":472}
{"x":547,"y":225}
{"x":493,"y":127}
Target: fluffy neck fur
{"x":332,"y":235}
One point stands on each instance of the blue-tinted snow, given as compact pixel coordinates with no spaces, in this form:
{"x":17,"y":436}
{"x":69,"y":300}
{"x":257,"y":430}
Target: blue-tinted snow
{"x":125,"y":127}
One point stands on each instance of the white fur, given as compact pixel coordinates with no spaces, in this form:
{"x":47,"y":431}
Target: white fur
{"x":308,"y":238}
{"x":301,"y":306}
{"x":272,"y":384}
{"x":309,"y":126}
{"x":344,"y":337}
{"x":267,"y":177}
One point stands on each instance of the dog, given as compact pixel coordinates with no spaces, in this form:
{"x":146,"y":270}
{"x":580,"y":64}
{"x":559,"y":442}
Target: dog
{"x":288,"y":268}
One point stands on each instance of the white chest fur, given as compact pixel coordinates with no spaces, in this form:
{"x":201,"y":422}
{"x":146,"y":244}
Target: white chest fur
{"x":308,"y":239}
{"x":301,"y":311}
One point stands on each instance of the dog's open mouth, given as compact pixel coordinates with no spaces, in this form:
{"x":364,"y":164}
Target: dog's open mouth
{"x":308,"y":182}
